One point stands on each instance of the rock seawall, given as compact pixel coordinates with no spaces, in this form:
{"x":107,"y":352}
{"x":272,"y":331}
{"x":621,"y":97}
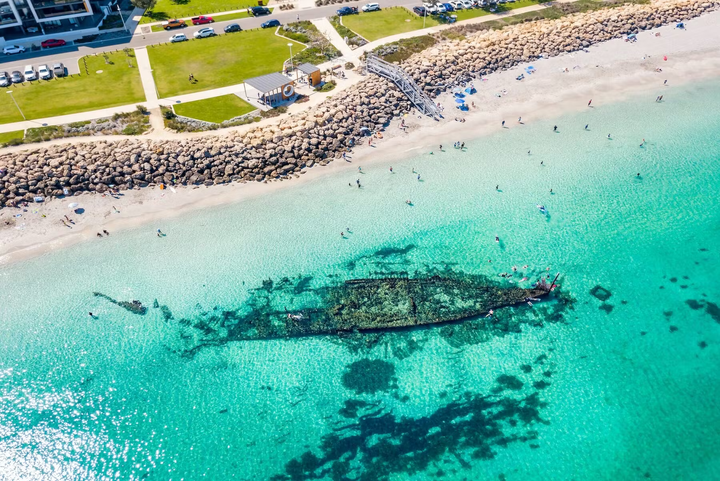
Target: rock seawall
{"x":321,"y":134}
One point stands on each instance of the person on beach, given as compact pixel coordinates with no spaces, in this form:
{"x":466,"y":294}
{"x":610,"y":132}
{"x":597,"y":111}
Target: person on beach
{"x":115,"y":209}
{"x":65,"y":223}
{"x":462,"y":146}
{"x":418,"y":177}
{"x":391,"y":171}
{"x":643,"y":143}
{"x":589,"y":102}
{"x":555,"y":128}
{"x":159,"y":233}
{"x":503,"y":123}
{"x":106,"y":232}
{"x":528,"y":152}
{"x":68,"y":219}
{"x":441,"y":148}
{"x":519,"y":120}
{"x":586,"y":126}
{"x":359,"y":169}
{"x":99,"y":234}
{"x":608,"y":136}
{"x":665,"y":83}
{"x":542,"y":162}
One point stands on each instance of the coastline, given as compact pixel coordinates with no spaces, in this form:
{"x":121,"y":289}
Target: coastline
{"x":608,"y":73}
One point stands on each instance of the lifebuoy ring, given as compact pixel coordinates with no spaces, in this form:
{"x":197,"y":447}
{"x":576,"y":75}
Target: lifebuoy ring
{"x":288,"y":90}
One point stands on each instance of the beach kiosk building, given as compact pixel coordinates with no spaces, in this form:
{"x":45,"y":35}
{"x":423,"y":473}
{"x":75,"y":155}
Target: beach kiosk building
{"x":311,"y":72}
{"x":273,"y":88}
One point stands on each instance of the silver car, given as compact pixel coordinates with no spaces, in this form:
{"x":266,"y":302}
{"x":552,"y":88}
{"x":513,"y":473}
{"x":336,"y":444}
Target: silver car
{"x":30,"y":73}
{"x":4,"y":79}
{"x":204,"y":32}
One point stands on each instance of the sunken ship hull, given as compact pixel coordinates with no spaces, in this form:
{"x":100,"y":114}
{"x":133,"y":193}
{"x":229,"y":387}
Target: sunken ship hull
{"x":388,"y":303}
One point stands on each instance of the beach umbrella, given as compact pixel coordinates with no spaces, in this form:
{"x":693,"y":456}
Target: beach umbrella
{"x":460,"y":101}
{"x":73,"y":205}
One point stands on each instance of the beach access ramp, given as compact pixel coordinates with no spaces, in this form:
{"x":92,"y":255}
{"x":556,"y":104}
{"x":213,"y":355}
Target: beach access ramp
{"x":422,"y":102}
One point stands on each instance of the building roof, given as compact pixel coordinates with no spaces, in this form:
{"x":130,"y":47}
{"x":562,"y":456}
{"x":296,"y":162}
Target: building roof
{"x":307,"y":68}
{"x":268,"y":83}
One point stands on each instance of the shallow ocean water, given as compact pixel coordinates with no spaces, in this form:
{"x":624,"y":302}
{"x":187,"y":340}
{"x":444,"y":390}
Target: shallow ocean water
{"x":628,"y":388}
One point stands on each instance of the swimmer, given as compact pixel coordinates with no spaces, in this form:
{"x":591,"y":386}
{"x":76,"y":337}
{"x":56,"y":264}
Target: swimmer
{"x":462,"y":146}
{"x":408,"y":202}
{"x":551,"y":191}
{"x":391,"y":171}
{"x":342,"y":234}
{"x":528,"y":152}
{"x":90,"y":314}
{"x":490,"y":313}
{"x":497,"y":239}
{"x":638,"y":174}
{"x":418,"y":177}
{"x":497,"y":187}
{"x":525,"y":266}
{"x":555,"y":128}
{"x":608,"y":136}
{"x":542,"y":162}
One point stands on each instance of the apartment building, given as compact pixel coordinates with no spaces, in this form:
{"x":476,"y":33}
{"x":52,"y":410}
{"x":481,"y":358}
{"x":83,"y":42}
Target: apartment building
{"x":27,"y":18}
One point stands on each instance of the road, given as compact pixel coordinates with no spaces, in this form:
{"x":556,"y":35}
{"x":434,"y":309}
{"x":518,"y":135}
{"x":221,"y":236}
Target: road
{"x":70,"y":54}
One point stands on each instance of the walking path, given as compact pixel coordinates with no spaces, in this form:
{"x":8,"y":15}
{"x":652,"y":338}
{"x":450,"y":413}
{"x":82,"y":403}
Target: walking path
{"x":323,"y":25}
{"x":326,"y":28}
{"x":146,"y":76}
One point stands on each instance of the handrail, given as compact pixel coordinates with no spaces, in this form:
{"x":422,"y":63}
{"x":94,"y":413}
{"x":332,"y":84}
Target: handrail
{"x":405,"y":83}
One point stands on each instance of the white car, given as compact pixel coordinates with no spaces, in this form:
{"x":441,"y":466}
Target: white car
{"x":457,"y":5}
{"x":371,"y":7}
{"x":178,"y":37}
{"x":204,"y":32}
{"x":11,"y":49}
{"x":467,"y":4}
{"x":430,"y":8}
{"x":30,"y":73}
{"x":441,"y":8}
{"x":44,"y":73}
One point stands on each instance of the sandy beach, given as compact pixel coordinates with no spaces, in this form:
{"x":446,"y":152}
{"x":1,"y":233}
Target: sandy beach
{"x":606,"y":73}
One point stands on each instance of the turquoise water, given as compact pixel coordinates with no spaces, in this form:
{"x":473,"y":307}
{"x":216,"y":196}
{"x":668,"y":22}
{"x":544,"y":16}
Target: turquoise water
{"x":628,"y":388}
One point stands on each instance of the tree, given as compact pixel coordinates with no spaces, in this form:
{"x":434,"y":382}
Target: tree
{"x":144,"y":4}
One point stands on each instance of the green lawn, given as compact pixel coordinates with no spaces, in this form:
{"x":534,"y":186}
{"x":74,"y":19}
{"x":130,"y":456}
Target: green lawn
{"x":479,"y":12}
{"x":118,"y":84}
{"x":386,"y":22}
{"x":218,"y":61}
{"x":165,"y":9}
{"x":216,"y":109}
{"x":8,"y":136}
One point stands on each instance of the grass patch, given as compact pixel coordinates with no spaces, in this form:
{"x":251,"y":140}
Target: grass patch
{"x":165,"y":9}
{"x":388,"y":21}
{"x":352,"y":37}
{"x":118,"y":84}
{"x":216,"y":110}
{"x":403,"y":49}
{"x":500,"y":8}
{"x":11,"y":137}
{"x":217,"y":61}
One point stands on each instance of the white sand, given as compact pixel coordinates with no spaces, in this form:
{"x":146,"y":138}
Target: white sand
{"x":608,"y":73}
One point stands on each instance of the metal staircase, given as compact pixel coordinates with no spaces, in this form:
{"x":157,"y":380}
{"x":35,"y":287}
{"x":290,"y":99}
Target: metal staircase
{"x":422,"y":102}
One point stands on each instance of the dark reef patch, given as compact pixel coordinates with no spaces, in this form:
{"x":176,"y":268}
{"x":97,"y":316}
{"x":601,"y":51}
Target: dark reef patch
{"x":506,"y":381}
{"x":713,"y":310}
{"x":600,"y":293}
{"x":378,"y":445}
{"x":606,"y":307}
{"x":673,"y":328}
{"x":695,"y":305}
{"x":368,"y":376}
{"x":673,"y":279}
{"x":702,"y":344}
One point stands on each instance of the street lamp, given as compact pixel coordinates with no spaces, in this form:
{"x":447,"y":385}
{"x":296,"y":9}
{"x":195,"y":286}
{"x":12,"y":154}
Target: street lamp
{"x":16,"y":104}
{"x":291,"y":57}
{"x":122,"y":18}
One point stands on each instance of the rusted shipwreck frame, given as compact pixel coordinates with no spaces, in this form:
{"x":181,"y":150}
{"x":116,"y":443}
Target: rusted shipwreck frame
{"x":388,"y":303}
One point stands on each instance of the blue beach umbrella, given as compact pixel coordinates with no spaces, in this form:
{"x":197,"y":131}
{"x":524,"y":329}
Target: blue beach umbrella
{"x":460,"y":101}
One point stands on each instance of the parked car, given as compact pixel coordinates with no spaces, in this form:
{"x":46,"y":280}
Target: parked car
{"x":173,"y":23}
{"x":448,"y":7}
{"x":258,"y":11}
{"x":53,"y":42}
{"x":233,"y":27}
{"x":30,"y":73}
{"x":59,"y":70}
{"x":371,"y":7}
{"x":271,"y":23}
{"x":347,"y":11}
{"x":441,"y":8}
{"x":422,"y":11}
{"x":204,"y":32}
{"x":430,"y":8}
{"x":178,"y":37}
{"x":201,"y":20}
{"x":16,"y":77}
{"x":4,"y":79}
{"x":467,"y":4}
{"x":44,"y":73}
{"x":457,"y":5}
{"x":13,"y":49}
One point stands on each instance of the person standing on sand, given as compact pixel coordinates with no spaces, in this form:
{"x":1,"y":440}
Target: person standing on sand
{"x":586,"y":126}
{"x":503,"y":123}
{"x":589,"y":102}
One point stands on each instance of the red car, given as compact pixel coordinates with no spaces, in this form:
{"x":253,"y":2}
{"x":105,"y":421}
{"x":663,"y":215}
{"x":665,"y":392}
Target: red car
{"x":202,"y":20}
{"x":53,"y":42}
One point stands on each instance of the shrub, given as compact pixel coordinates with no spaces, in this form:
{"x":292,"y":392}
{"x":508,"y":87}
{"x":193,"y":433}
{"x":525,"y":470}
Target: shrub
{"x":326,"y":87}
{"x":142,"y":109}
{"x":349,"y":65}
